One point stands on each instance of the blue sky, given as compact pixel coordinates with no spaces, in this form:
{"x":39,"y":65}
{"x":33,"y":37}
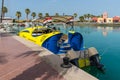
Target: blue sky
{"x":69,"y":7}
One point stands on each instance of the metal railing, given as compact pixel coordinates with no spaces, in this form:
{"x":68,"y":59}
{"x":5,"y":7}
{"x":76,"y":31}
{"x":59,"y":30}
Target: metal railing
{"x":12,"y":27}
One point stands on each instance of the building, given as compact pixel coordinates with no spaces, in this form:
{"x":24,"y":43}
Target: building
{"x":103,"y":19}
{"x":7,"y":20}
{"x":116,"y":19}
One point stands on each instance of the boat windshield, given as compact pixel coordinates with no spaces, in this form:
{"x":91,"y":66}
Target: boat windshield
{"x":40,"y":31}
{"x":43,"y":30}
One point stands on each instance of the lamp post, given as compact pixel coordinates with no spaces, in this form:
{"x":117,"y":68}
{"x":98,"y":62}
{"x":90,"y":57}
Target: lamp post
{"x":2,"y":10}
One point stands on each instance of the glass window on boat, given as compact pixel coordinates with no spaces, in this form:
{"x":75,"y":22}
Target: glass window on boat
{"x":40,"y":31}
{"x":48,"y":30}
{"x":26,"y":31}
{"x":44,"y":30}
{"x":36,"y":33}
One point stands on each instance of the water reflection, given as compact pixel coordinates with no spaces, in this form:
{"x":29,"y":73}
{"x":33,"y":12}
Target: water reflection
{"x":105,"y":30}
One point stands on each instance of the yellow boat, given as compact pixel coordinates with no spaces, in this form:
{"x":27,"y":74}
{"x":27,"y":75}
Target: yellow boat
{"x":42,"y":36}
{"x":50,"y":38}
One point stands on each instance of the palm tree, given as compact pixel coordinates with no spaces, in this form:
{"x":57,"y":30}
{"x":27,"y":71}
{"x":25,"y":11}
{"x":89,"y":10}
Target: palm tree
{"x":75,"y":15}
{"x":4,"y":10}
{"x":40,"y":15}
{"x":81,"y":18}
{"x":18,"y":14}
{"x":85,"y":16}
{"x":100,"y":15}
{"x":92,"y":16}
{"x":88,"y":16}
{"x":33,"y":15}
{"x":46,"y":14}
{"x":56,"y":14}
{"x":27,"y":11}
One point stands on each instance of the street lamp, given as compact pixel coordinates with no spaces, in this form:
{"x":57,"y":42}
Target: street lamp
{"x":2,"y":10}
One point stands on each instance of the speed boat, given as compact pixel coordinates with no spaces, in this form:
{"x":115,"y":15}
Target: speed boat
{"x":42,"y":36}
{"x":53,"y":40}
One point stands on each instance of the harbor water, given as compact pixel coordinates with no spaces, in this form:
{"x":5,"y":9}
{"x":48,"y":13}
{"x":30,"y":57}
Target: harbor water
{"x":107,"y":41}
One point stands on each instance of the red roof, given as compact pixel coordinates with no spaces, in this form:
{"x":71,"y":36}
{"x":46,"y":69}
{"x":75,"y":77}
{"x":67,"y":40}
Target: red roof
{"x":48,"y":18}
{"x":94,"y":18}
{"x":71,"y":19}
{"x":116,"y":18}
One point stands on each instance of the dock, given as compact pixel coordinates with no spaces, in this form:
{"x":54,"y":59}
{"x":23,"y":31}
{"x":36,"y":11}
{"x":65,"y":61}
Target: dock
{"x":21,"y":59}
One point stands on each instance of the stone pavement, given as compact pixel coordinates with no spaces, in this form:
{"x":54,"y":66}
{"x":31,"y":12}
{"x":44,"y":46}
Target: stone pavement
{"x":73,"y":73}
{"x":18,"y":62}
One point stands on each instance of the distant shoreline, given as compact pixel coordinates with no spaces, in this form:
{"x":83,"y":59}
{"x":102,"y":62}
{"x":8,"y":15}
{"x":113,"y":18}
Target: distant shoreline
{"x":95,"y":24}
{"x":82,"y":24}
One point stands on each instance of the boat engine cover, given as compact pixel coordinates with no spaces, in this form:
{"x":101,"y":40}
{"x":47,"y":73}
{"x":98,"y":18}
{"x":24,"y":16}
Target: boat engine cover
{"x":92,"y":51}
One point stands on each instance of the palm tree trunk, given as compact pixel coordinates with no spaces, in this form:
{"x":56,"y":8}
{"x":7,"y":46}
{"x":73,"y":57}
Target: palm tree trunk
{"x":18,"y":18}
{"x":3,"y":15}
{"x":27,"y":17}
{"x":2,"y":10}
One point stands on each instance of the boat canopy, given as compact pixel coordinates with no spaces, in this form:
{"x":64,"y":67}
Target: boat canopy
{"x":75,"y":39}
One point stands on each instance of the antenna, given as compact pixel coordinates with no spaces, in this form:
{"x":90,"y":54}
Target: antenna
{"x":71,"y":23}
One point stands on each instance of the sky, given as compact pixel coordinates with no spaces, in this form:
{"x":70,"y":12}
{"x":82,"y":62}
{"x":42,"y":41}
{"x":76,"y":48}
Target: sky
{"x":68,"y":7}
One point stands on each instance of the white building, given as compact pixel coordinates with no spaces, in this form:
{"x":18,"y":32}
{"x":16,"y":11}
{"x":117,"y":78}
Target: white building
{"x":7,"y":20}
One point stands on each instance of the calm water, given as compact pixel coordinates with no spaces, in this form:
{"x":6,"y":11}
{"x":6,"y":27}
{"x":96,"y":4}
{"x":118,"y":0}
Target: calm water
{"x":107,"y":41}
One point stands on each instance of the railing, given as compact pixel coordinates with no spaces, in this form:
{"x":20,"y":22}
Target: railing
{"x":16,"y":27}
{"x":11,"y":27}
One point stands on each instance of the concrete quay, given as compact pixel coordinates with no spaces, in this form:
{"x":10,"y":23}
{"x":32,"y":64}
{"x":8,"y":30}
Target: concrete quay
{"x":21,"y":59}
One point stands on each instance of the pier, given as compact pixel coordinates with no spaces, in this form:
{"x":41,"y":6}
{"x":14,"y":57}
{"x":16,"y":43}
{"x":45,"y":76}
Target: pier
{"x":21,"y":59}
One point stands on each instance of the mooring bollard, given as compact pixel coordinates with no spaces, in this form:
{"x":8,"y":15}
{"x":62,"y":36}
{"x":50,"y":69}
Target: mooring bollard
{"x":66,"y":63}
